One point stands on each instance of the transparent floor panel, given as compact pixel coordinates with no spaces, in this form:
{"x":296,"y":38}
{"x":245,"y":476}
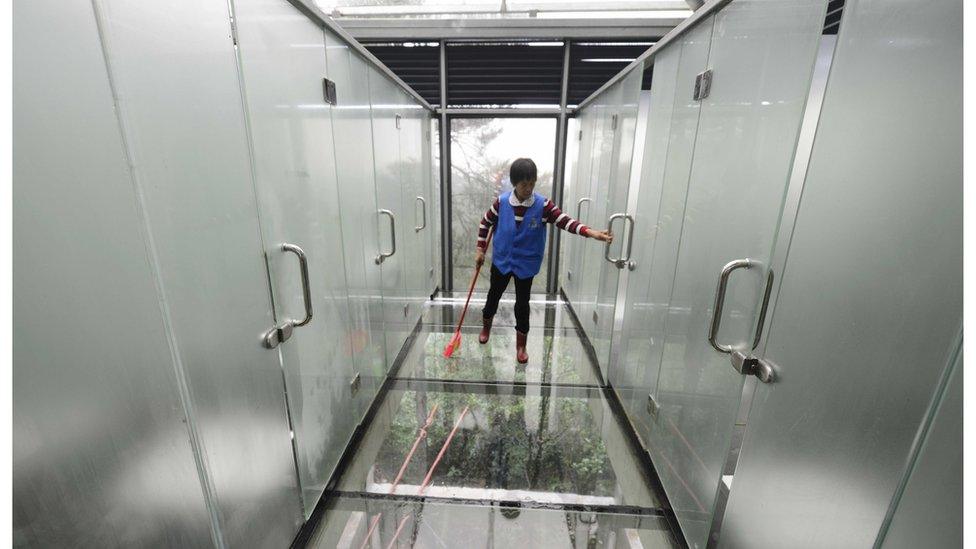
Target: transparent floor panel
{"x":552,"y":445}
{"x":542,"y":313}
{"x":432,"y":524}
{"x":555,"y":356}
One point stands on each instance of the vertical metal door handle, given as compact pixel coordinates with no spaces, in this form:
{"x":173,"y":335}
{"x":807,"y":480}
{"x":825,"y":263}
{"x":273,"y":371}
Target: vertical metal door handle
{"x":579,"y":208}
{"x":763,"y":308}
{"x":723,"y":282}
{"x":423,"y":208}
{"x":630,"y":240}
{"x":619,"y":262}
{"x":380,"y":258}
{"x":306,"y":288}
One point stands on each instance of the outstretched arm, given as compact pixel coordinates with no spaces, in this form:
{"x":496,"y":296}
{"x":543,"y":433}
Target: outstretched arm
{"x":552,"y":214}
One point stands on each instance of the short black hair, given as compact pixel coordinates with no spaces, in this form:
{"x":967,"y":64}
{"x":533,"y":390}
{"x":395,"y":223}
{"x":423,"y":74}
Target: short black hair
{"x":523,"y":169}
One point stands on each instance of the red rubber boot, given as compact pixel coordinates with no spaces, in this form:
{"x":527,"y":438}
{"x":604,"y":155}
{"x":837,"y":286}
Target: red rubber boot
{"x":520,"y":353}
{"x":485,"y":330}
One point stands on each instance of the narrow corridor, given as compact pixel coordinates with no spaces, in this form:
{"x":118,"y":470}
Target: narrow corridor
{"x":538,"y":455}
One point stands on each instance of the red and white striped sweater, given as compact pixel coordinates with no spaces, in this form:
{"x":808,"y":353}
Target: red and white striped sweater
{"x":550,"y":214}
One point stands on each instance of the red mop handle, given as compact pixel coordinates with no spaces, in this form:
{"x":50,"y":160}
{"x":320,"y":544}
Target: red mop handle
{"x":474,"y":279}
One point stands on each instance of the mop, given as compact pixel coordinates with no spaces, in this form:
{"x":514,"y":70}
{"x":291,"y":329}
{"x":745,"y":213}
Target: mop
{"x":455,"y":342}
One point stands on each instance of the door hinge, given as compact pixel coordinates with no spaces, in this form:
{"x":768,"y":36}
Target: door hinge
{"x":652,"y":406}
{"x":748,"y":365}
{"x":233,"y":31}
{"x":329,"y":91}
{"x":703,"y":85}
{"x":398,"y":121}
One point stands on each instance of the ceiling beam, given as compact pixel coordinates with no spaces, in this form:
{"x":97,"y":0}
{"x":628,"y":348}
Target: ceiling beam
{"x":375,"y":28}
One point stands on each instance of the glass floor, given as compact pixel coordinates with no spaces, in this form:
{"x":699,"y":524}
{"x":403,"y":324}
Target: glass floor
{"x":478,"y":450}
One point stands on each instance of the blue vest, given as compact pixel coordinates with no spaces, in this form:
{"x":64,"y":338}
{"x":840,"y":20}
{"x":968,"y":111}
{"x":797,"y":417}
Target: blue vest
{"x":518,"y":248}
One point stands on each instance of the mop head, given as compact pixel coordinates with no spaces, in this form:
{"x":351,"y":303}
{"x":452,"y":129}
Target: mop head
{"x":453,"y":344}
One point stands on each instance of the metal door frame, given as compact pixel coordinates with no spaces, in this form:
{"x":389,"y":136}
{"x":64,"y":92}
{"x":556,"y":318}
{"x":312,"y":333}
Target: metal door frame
{"x":447,"y":237}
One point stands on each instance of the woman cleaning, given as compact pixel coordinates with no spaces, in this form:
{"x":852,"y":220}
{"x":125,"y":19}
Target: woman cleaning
{"x":519,"y":217}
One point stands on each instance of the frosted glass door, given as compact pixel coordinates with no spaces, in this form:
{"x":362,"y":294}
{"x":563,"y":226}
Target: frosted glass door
{"x":570,"y":195}
{"x":617,"y":185}
{"x":353,"y":142}
{"x":580,"y":207}
{"x":873,"y":285}
{"x":591,"y":253}
{"x":762,"y":56}
{"x":649,"y":284}
{"x":413,"y":205}
{"x":99,"y":430}
{"x":291,"y":132}
{"x":182,"y":115}
{"x":395,"y":223}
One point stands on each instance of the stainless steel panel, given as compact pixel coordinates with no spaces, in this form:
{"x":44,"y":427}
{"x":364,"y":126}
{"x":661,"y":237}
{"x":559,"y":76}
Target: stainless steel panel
{"x":180,"y":101}
{"x":353,"y":142}
{"x":101,"y":449}
{"x":890,"y":205}
{"x":283,"y":59}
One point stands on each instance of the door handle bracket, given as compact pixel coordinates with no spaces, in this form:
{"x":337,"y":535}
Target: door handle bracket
{"x":749,"y":365}
{"x":278,"y":335}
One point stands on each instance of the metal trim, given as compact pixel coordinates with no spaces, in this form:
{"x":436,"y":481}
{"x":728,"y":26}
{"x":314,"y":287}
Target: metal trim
{"x":579,"y":207}
{"x":505,"y":29}
{"x":559,"y":179}
{"x":313,"y":12}
{"x":723,"y":283}
{"x":763,"y":308}
{"x":708,"y":9}
{"x":502,"y":111}
{"x":620,"y":262}
{"x":447,"y":262}
{"x":306,"y":287}
{"x":383,"y":255}
{"x":423,"y":209}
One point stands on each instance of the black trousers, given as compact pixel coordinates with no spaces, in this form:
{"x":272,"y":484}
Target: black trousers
{"x":523,"y":287}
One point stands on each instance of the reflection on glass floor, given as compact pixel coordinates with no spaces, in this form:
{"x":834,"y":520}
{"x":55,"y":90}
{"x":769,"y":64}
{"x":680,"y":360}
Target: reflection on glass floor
{"x":555,"y":356}
{"x":480,"y":449}
{"x":533,"y":444}
{"x":433,"y":524}
{"x":542,"y":312}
